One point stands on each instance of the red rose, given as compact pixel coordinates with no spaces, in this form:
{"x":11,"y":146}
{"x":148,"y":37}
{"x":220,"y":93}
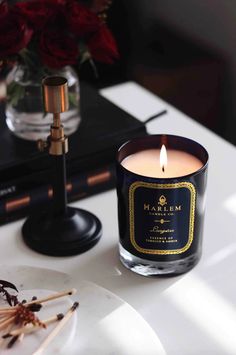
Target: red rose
{"x":57,"y":49}
{"x":81,"y":21}
{"x":37,"y":13}
{"x":99,"y":6}
{"x":14,"y":34}
{"x":102,"y":46}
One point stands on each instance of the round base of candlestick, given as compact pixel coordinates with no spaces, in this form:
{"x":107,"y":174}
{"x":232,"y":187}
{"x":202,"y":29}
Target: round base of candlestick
{"x":71,"y":234}
{"x":155,"y":268}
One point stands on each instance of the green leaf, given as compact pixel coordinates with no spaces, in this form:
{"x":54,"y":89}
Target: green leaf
{"x":15,"y":92}
{"x":73,"y":99}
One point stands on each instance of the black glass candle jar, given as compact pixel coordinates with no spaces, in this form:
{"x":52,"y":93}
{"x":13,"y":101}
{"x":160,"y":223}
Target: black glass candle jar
{"x":161,"y":218}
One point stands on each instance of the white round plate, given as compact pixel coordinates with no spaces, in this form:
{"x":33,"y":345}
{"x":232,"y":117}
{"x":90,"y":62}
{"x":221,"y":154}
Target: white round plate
{"x":103,"y":324}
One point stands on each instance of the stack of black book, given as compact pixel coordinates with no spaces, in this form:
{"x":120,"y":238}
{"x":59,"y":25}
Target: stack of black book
{"x":25,"y":173}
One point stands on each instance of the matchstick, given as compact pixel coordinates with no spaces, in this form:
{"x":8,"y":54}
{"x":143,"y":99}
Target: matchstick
{"x":52,"y":297}
{"x":42,"y":300}
{"x":57,"y":329}
{"x":4,"y":309}
{"x":29,"y":329}
{"x":12,"y":342}
{"x":21,"y":337}
{"x":3,"y":320}
{"x":9,"y":328}
{"x":4,"y":323}
{"x":10,"y":310}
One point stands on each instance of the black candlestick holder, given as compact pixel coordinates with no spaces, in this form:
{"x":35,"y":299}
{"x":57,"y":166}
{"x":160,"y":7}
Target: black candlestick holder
{"x":59,"y":230}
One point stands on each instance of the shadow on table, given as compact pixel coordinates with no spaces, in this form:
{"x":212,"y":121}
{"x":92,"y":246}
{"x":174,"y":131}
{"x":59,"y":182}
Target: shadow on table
{"x":105,"y":269}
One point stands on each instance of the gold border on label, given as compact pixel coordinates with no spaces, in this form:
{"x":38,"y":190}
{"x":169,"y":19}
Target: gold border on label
{"x":178,"y":185}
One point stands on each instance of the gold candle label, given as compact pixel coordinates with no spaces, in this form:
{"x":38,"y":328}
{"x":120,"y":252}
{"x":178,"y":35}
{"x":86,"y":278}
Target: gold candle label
{"x":162,"y":217}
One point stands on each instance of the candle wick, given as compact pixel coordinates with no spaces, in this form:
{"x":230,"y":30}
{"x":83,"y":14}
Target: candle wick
{"x":163,"y":168}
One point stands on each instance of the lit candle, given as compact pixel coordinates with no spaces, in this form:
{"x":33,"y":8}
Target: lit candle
{"x":161,"y":182}
{"x":158,"y":163}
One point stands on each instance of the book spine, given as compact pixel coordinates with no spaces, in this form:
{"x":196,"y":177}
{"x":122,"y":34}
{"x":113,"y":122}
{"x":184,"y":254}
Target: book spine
{"x":78,"y":187}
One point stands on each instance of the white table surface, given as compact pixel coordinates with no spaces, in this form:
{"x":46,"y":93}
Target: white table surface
{"x":191,"y":314}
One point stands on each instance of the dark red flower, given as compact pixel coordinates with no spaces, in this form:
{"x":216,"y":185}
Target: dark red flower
{"x":99,"y":6}
{"x":14,"y":34}
{"x":81,"y":21}
{"x":38,"y":13}
{"x":102,"y":46}
{"x":57,"y":49}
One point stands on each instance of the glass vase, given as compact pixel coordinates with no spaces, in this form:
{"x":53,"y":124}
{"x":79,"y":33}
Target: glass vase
{"x":25,"y":115}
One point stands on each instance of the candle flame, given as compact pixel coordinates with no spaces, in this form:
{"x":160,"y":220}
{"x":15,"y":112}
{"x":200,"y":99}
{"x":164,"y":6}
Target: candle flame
{"x":163,"y":158}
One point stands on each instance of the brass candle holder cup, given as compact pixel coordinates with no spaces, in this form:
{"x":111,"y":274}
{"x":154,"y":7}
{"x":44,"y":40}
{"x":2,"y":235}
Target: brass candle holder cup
{"x":60,"y":229}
